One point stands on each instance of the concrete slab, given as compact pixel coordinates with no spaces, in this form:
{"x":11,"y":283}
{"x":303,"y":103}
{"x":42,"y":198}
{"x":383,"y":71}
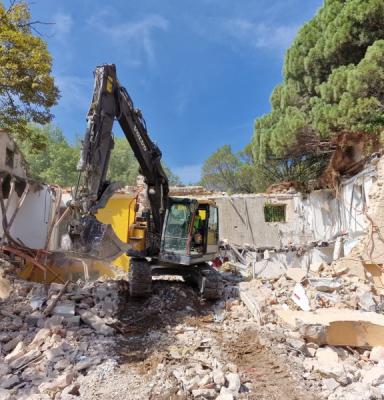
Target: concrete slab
{"x":296,"y":274}
{"x":255,"y":298}
{"x":338,"y":327}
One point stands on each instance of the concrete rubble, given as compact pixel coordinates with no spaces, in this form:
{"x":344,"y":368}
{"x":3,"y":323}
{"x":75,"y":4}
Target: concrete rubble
{"x":326,"y":317}
{"x":190,"y":353}
{"x":95,"y":343}
{"x":44,"y":353}
{"x":338,"y":341}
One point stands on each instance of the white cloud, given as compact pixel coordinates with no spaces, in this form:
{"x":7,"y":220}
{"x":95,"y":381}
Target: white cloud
{"x":75,"y":92}
{"x":188,"y":173}
{"x":260,"y":35}
{"x":242,"y":32}
{"x":136,"y":39}
{"x":63,"y":26}
{"x":183,"y":94}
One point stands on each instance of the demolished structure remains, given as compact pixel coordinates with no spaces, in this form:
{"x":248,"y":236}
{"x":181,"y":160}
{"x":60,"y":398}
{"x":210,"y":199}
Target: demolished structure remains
{"x":303,"y":286}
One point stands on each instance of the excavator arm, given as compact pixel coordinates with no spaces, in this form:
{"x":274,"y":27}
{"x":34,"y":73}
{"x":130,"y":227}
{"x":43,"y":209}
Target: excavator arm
{"x":110,"y":102}
{"x":148,"y":155}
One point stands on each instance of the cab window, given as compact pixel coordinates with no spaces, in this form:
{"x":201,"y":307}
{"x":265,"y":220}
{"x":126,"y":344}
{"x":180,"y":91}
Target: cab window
{"x":213,"y":231}
{"x":177,"y":228}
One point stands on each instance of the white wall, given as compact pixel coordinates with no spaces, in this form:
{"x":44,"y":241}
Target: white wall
{"x":317,"y":216}
{"x":33,"y":218}
{"x":241,"y":220}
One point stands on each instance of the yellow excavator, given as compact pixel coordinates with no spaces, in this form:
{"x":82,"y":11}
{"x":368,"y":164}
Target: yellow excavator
{"x":169,"y":235}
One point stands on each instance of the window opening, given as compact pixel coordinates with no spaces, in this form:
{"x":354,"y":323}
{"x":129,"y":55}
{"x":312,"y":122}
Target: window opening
{"x":275,"y":213}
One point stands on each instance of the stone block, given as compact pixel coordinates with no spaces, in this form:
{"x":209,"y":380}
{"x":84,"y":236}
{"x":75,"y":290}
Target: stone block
{"x":338,"y":327}
{"x":296,"y":274}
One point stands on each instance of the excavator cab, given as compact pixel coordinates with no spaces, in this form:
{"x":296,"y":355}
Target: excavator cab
{"x":190,"y":232}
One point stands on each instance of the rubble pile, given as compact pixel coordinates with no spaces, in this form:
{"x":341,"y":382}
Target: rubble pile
{"x":200,"y":371}
{"x":326,"y":319}
{"x":329,"y":323}
{"x":87,"y":340}
{"x":197,"y":353}
{"x":190,"y":363}
{"x":51,"y":336}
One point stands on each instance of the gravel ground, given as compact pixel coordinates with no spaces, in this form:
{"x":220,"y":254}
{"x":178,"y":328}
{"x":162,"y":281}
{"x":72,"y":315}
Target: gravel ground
{"x":176,"y":346}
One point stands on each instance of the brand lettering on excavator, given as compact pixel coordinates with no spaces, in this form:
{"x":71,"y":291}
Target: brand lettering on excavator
{"x":139,"y":138}
{"x":109,"y":84}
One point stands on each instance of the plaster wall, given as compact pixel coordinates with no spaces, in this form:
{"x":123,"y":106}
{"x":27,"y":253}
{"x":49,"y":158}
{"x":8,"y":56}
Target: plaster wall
{"x":315,"y":217}
{"x":242,"y":220}
{"x":32,"y":220}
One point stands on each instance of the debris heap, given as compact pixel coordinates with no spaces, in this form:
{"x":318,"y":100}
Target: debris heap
{"x":327,"y":319}
{"x":51,"y":335}
{"x":328,"y":323}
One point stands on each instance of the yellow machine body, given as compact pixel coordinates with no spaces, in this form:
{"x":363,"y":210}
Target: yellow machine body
{"x":119,"y":212}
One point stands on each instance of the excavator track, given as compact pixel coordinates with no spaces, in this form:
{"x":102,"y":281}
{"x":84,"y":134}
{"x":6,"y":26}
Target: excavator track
{"x":208,"y":280}
{"x":140,"y":278}
{"x":211,"y":286}
{"x":202,"y":276}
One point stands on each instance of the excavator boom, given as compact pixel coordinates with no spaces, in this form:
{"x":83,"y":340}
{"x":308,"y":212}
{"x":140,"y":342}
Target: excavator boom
{"x":111,"y":101}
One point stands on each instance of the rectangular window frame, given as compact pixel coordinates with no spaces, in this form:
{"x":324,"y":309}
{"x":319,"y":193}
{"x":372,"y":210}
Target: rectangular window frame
{"x":275,"y":213}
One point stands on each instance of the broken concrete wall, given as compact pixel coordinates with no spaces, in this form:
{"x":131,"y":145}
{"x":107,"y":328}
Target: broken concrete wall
{"x":371,"y":248}
{"x":30,"y":206}
{"x":320,"y":216}
{"x":242,"y":220}
{"x":274,"y":263}
{"x":33,"y":219}
{"x":37,"y":210}
{"x":328,"y":215}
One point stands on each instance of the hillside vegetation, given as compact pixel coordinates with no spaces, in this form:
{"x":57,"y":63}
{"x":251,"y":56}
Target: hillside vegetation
{"x":333,"y":82}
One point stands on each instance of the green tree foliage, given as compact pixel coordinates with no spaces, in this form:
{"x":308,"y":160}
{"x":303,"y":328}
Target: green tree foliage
{"x":57,"y":163}
{"x":333,"y":81}
{"x":124,"y":168}
{"x":239,"y":173}
{"x":232,"y":173}
{"x":27,"y":89}
{"x":299,"y":170}
{"x":220,"y":170}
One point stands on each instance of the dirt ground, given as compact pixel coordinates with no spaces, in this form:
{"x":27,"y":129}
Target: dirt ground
{"x":174,"y":332}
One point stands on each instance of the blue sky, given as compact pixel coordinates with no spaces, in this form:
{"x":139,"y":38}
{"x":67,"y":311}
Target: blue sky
{"x":201,"y":71}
